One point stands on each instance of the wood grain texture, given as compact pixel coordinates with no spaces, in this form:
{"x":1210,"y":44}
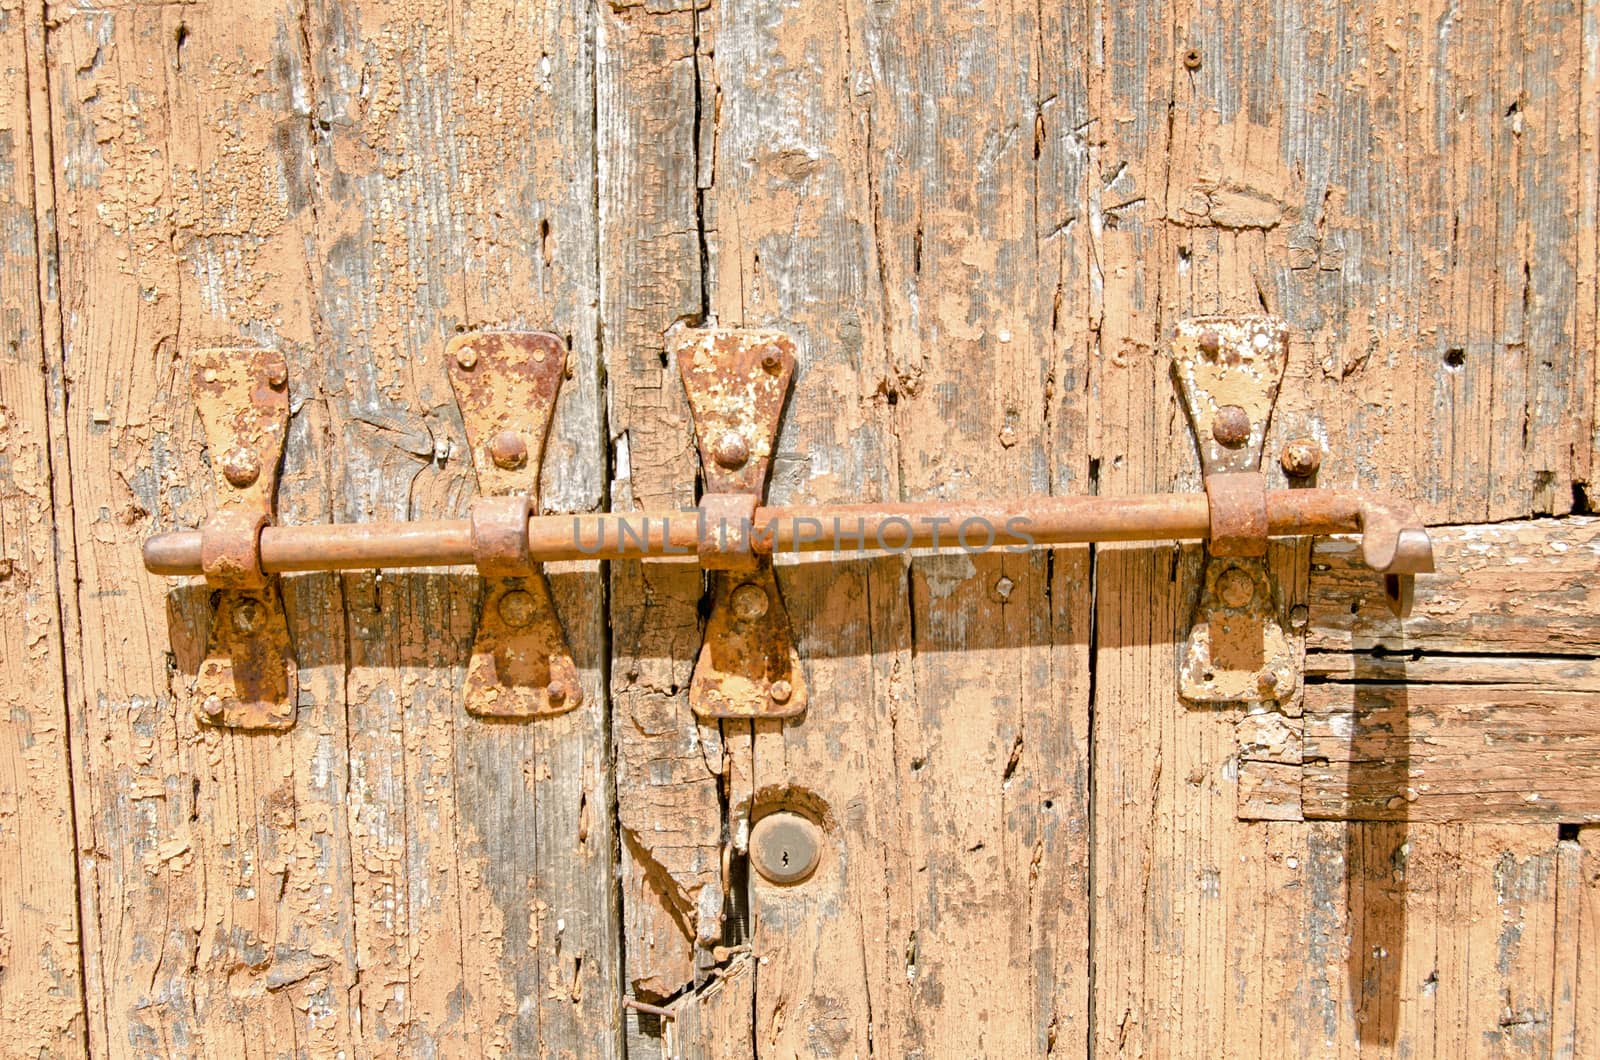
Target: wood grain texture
{"x":877,"y":193}
{"x":1492,"y":751}
{"x":1524,"y":587}
{"x":1448,"y":715}
{"x":1373,"y":175}
{"x":42,"y":1010}
{"x":979,"y":222}
{"x":669,"y":789}
{"x":392,"y":876}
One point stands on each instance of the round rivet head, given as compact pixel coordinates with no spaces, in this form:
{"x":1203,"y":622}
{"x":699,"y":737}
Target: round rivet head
{"x":508,"y":450}
{"x":1301,"y":458}
{"x":241,"y":467}
{"x":277,"y":374}
{"x":1231,"y":426}
{"x":772,"y":363}
{"x":466,"y":357}
{"x":750,"y":601}
{"x":1267,"y":681}
{"x":516,"y":608}
{"x":1210,"y":343}
{"x":246,"y":616}
{"x":731,"y":450}
{"x":1235,"y":587}
{"x":556,"y":693}
{"x":781,"y":691}
{"x":785,"y":848}
{"x":212,"y":707}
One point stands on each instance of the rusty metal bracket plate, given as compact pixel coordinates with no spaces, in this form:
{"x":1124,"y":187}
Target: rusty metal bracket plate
{"x":1228,"y":371}
{"x":506,"y":384}
{"x":737,"y":381}
{"x":1237,"y":651}
{"x":248,"y":679}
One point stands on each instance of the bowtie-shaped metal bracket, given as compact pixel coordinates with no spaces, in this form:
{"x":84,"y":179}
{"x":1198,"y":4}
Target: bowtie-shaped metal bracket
{"x":737,"y":381}
{"x":1228,"y":372}
{"x":506,"y":384}
{"x":248,"y":679}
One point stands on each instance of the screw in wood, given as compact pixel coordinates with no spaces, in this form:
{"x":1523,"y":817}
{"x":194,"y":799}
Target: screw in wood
{"x":731,"y":450}
{"x":1231,"y":427}
{"x":785,"y":847}
{"x":508,"y":450}
{"x":241,"y":467}
{"x":1191,"y":59}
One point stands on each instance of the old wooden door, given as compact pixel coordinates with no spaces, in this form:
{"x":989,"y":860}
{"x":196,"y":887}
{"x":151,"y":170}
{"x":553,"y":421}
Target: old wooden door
{"x":979,"y":221}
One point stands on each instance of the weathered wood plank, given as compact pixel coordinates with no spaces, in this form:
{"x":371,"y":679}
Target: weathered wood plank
{"x":714,"y":1023}
{"x":390,"y":875}
{"x":1522,"y":587}
{"x":669,"y":791}
{"x":945,"y":739}
{"x":42,"y":1011}
{"x":1277,"y":169}
{"x":1445,"y":752}
{"x":216,"y":896}
{"x":454,"y":183}
{"x":1576,"y":1021}
{"x":1391,"y":938}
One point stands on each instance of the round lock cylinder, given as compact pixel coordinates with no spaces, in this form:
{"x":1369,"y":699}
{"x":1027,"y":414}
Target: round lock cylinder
{"x":785,"y":847}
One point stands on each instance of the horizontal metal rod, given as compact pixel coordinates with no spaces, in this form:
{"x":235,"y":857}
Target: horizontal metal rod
{"x":945,"y":525}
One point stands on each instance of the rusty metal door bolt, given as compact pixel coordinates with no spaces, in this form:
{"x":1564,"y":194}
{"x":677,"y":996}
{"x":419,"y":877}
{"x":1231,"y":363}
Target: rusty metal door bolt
{"x":1228,"y":371}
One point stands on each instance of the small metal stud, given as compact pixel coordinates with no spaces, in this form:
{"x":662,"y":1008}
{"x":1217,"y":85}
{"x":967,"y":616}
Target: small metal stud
{"x":241,"y":467}
{"x":508,"y":450}
{"x":1235,"y":587}
{"x":750,"y":601}
{"x":1231,"y":426}
{"x":731,"y":450}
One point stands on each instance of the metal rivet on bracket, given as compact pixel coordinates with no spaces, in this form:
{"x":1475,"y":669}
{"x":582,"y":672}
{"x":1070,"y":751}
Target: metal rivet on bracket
{"x":248,"y":679}
{"x":737,"y":381}
{"x":506,"y":383}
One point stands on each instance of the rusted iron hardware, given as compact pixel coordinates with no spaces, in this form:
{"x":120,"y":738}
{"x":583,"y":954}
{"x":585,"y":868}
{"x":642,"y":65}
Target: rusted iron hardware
{"x":248,"y":678}
{"x":1228,"y":371}
{"x":506,"y":384}
{"x":736,"y":381}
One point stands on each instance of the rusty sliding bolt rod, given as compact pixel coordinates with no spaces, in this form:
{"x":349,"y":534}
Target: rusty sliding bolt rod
{"x":1393,"y":541}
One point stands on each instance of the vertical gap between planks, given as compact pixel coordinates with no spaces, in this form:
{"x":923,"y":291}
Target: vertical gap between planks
{"x":63,"y":529}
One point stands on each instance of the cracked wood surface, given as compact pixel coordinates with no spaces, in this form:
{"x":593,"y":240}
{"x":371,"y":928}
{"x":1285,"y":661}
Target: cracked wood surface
{"x":351,"y":185}
{"x":41,"y":985}
{"x":979,"y":223}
